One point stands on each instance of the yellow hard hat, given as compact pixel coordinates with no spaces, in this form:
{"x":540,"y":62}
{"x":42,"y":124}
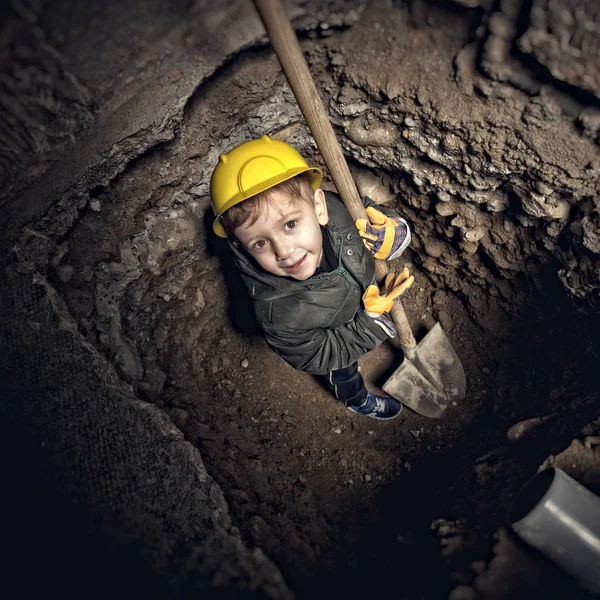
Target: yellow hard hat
{"x":251,"y":168}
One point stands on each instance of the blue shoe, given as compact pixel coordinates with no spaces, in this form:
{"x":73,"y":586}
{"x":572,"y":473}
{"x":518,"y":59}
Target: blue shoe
{"x":378,"y":407}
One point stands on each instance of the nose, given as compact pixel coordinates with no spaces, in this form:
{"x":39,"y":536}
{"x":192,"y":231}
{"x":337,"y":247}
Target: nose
{"x":283,"y":248}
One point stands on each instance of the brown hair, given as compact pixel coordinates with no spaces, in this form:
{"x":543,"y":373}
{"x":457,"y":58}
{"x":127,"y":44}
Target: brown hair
{"x":296,"y":188}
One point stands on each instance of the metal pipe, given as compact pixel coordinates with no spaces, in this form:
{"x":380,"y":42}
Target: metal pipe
{"x":561,"y":518}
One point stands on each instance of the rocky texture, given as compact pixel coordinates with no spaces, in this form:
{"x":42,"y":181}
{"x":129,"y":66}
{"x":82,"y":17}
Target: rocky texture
{"x":44,"y":106}
{"x":131,"y":482}
{"x":569,"y":60}
{"x":141,"y":85}
{"x":504,"y":173}
{"x":565,"y":38}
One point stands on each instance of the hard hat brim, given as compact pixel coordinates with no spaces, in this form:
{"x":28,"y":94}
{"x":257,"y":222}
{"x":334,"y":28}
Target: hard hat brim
{"x":315,"y":177}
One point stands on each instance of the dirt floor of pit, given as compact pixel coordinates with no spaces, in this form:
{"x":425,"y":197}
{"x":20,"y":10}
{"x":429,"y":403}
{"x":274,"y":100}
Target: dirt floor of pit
{"x":330,"y":495}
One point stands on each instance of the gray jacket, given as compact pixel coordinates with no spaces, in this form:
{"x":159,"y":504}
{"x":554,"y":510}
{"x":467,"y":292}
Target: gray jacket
{"x":319,"y":325}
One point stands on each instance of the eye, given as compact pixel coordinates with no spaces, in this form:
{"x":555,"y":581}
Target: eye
{"x":259,"y":244}
{"x":291,"y":224}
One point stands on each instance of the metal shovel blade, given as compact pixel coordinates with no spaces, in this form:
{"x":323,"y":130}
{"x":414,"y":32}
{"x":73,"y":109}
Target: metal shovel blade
{"x":430,"y":376}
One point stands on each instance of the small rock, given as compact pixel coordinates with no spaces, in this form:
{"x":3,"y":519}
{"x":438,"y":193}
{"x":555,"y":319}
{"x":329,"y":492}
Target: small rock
{"x":445,"y":209}
{"x":343,"y":462}
{"x":591,"y":441}
{"x":245,"y":363}
{"x":179,"y":416}
{"x":367,"y":477}
{"x":337,"y":430}
{"x":199,"y":302}
{"x":485,"y":371}
{"x":258,"y":527}
{"x":416,"y":433}
{"x":463,"y":592}
{"x":301,"y":480}
{"x":380,"y":135}
{"x":445,"y":319}
{"x":287,"y":419}
{"x":34,"y":325}
{"x":521,"y":429}
{"x":228,"y":385}
{"x":469,"y":247}
{"x":433,"y":248}
{"x":95,"y":205}
{"x":544,"y":188}
{"x":475,"y":234}
{"x":65,"y":273}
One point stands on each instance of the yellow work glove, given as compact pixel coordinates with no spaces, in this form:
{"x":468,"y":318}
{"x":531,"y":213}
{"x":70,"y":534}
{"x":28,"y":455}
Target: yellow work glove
{"x":385,"y":237}
{"x":377,"y":302}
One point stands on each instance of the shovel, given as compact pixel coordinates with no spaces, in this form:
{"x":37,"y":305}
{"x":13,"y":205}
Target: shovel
{"x":431,"y":375}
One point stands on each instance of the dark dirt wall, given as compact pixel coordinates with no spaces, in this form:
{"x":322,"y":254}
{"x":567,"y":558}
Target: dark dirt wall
{"x":478,"y":122}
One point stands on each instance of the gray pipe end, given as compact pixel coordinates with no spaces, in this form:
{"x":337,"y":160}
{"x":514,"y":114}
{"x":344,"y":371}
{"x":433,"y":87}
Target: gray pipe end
{"x":531,"y":495}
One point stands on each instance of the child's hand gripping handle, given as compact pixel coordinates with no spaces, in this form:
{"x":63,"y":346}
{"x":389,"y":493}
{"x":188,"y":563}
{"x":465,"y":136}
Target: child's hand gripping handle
{"x":378,"y":302}
{"x":385,"y":237}
{"x":285,"y":43}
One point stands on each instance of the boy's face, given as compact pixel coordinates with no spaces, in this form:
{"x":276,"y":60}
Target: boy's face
{"x":286,"y":239}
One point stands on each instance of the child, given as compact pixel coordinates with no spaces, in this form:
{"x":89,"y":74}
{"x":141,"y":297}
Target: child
{"x":309,"y":269}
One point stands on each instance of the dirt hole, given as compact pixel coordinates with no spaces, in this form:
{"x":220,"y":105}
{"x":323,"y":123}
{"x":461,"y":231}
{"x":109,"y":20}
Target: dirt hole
{"x":342,"y":504}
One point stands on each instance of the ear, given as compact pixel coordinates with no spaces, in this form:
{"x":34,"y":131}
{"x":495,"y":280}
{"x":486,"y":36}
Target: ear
{"x":321,"y":207}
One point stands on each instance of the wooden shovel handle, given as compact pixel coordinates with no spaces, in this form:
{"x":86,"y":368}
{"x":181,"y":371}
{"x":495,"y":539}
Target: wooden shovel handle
{"x":285,"y":43}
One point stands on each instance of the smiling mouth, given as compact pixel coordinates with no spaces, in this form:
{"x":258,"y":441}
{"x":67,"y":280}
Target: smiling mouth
{"x":297,"y":266}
